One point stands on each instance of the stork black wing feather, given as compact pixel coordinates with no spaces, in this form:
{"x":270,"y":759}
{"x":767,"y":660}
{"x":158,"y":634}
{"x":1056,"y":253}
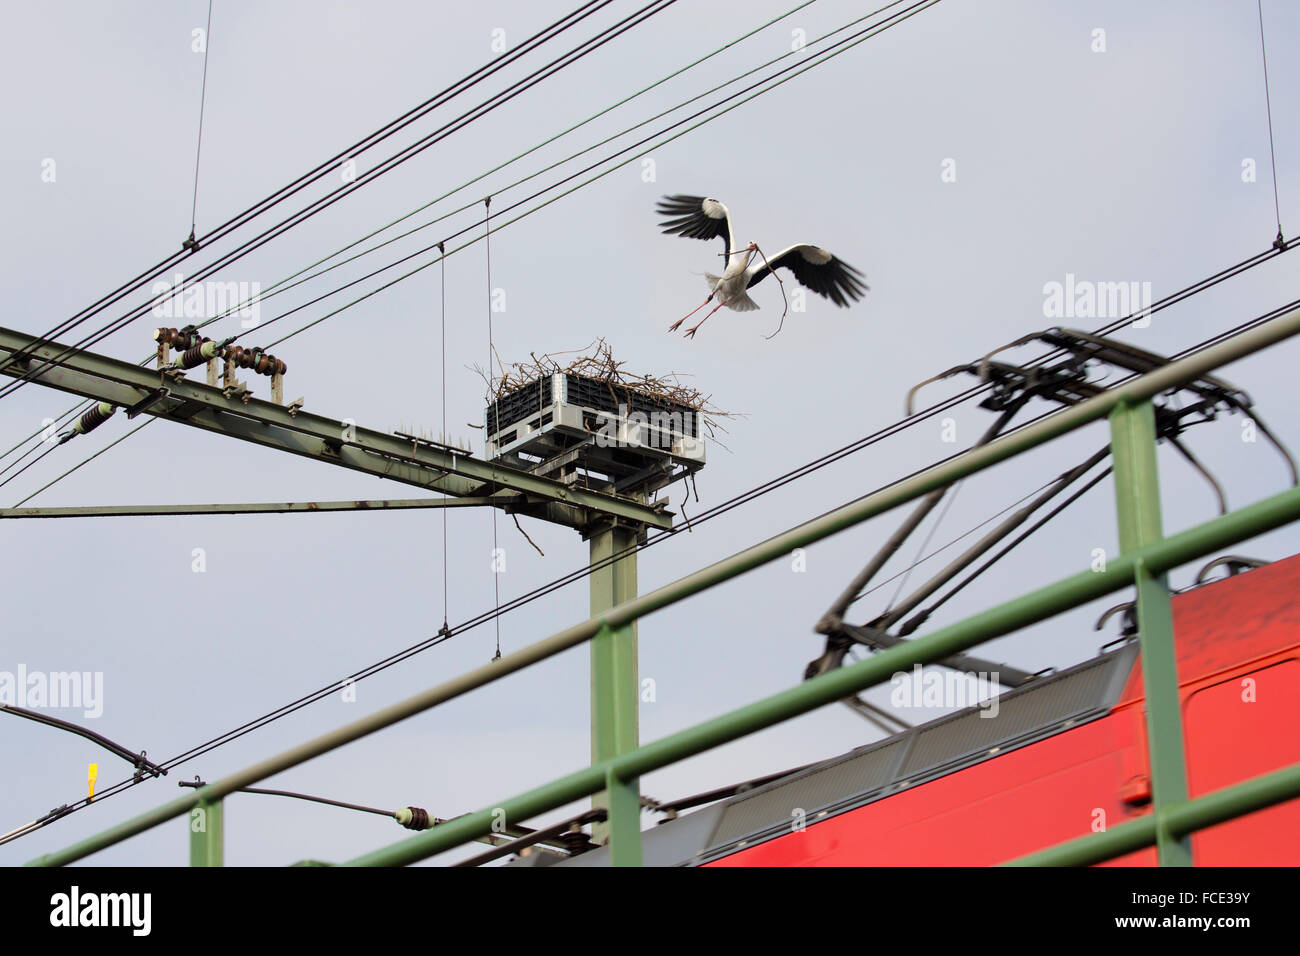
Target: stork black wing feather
{"x":831,"y":278}
{"x":687,"y":217}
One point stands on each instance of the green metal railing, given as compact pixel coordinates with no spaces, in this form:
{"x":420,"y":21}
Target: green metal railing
{"x":1146,"y":556}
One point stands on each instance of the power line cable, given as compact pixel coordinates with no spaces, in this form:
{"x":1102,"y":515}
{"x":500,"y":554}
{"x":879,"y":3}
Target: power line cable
{"x":362,"y":145}
{"x":387,"y":165}
{"x":851,"y":41}
{"x":445,"y":438}
{"x":496,"y":550}
{"x":846,"y":44}
{"x":1268,"y":106}
{"x":198,"y":149}
{"x":287,"y":283}
{"x":115,"y":442}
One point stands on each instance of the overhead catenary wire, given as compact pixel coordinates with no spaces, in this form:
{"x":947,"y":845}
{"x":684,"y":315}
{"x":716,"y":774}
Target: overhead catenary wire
{"x":496,"y":550}
{"x":85,"y":461}
{"x":274,"y":289}
{"x":919,"y":560}
{"x":949,"y":498}
{"x":1238,"y":268}
{"x":923,"y":614}
{"x":296,"y":279}
{"x":286,"y":284}
{"x":1174,"y":298}
{"x":1268,"y":106}
{"x":438,"y":99}
{"x":1232,"y":270}
{"x":844,"y":44}
{"x":392,"y":162}
{"x":442,"y":288}
{"x":198,"y":149}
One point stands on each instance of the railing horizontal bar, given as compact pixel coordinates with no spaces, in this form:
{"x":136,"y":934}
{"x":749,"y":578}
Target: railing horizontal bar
{"x":1012,"y":615}
{"x":772,"y":549}
{"x":1213,"y":808}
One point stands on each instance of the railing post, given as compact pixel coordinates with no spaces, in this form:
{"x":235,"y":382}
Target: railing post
{"x":207,"y":836}
{"x":614,"y":686}
{"x":1137,"y":490}
{"x":624,"y":798}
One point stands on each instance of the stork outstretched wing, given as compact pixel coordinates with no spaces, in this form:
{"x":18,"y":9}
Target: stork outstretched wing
{"x":698,"y":218}
{"x":816,"y":269}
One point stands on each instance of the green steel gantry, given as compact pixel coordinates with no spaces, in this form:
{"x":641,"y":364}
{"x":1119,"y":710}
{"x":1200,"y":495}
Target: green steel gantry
{"x":618,"y":762}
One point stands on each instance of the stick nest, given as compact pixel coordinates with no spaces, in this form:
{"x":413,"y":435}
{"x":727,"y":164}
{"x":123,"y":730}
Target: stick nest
{"x":597,"y":362}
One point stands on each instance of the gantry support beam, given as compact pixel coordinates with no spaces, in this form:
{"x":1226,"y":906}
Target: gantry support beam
{"x":312,"y":436}
{"x":252,"y":508}
{"x":615,"y":698}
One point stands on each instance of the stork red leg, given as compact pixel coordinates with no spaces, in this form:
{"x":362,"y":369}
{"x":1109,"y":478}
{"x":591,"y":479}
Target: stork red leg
{"x":690,"y":333}
{"x":675,"y":325}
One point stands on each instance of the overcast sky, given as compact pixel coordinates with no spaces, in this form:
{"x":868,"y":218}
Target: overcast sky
{"x":1123,"y":164}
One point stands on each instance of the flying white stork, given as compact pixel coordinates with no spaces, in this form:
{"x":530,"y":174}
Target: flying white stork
{"x":816,"y":269}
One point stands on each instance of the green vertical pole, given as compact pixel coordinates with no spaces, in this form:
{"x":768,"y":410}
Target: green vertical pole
{"x":1137,"y":489}
{"x":207,"y":838}
{"x":614,"y":691}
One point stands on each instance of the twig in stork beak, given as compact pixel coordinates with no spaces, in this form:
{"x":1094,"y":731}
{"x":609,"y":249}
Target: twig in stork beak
{"x":736,"y":252}
{"x":786,"y":310}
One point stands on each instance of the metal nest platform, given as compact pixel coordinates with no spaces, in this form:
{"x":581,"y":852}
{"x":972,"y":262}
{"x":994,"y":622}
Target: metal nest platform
{"x":596,"y":433}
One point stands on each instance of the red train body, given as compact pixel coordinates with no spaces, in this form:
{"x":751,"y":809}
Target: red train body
{"x":1238,"y":641}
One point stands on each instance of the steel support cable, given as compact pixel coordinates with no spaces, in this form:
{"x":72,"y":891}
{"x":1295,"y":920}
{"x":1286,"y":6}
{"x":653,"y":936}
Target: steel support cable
{"x":35,"y":461}
{"x":947,"y":505}
{"x":1268,"y":105}
{"x":288,"y":283}
{"x":85,"y":461}
{"x":392,"y":162}
{"x":546,"y":142}
{"x":492,"y":349}
{"x":921,"y":616}
{"x":837,"y":455}
{"x":957,"y":540}
{"x":362,"y":145}
{"x":281,"y":286}
{"x":402,"y":655}
{"x":844,"y":44}
{"x":330,"y":199}
{"x":197,"y":782}
{"x":23,"y":456}
{"x":198,"y":149}
{"x":1165,"y":302}
{"x":1179,"y":296}
{"x":1247,"y":264}
{"x":138,"y":760}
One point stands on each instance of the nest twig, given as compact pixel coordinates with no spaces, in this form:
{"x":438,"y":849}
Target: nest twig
{"x":597,"y":362}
